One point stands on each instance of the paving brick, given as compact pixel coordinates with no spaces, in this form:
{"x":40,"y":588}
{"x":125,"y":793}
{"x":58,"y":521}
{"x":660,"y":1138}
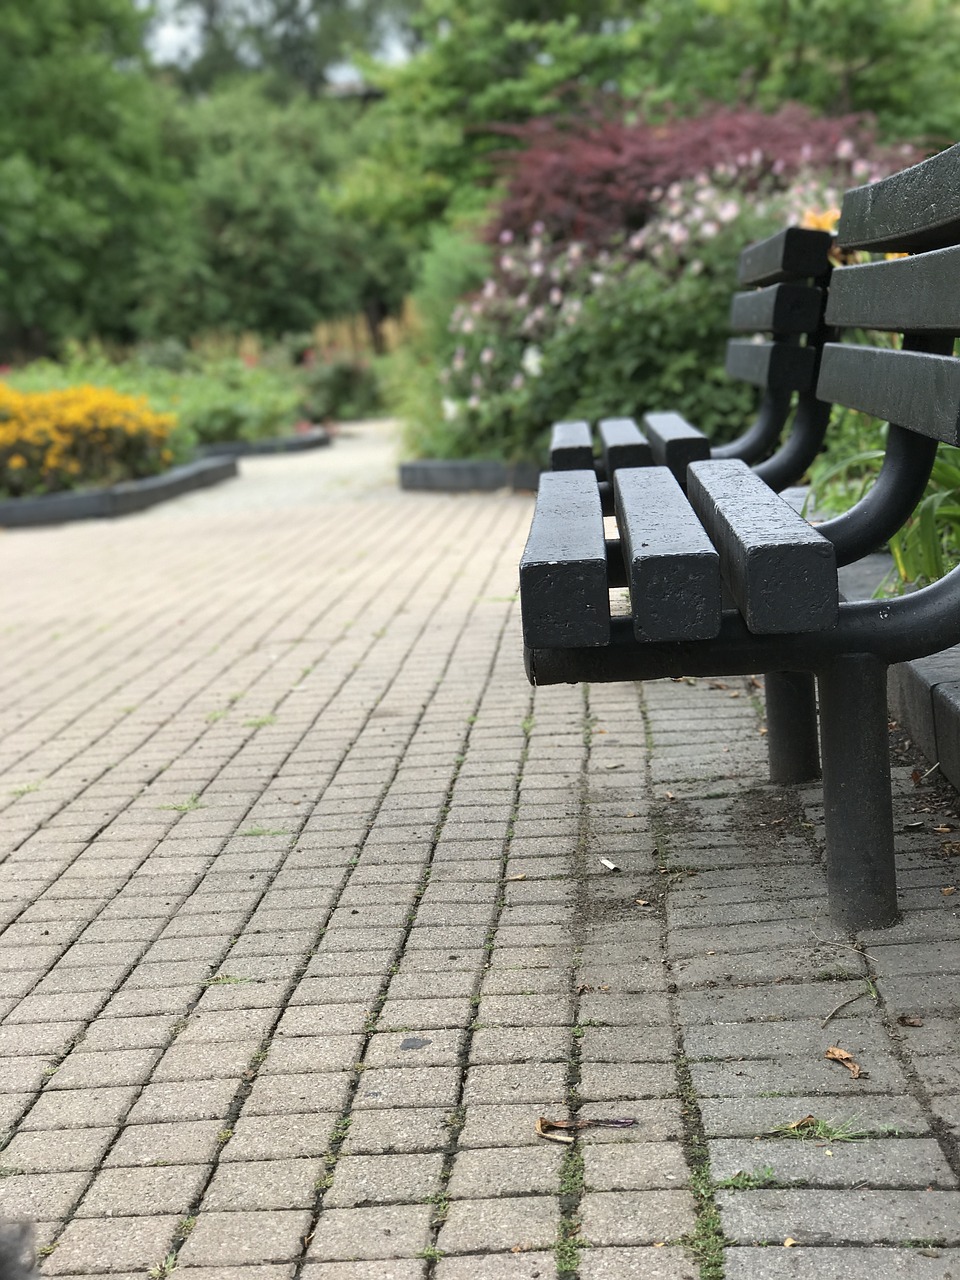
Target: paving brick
{"x":637,"y":1166}
{"x":279,"y":1137}
{"x":242,"y":1239}
{"x":506,"y":1171}
{"x":423,"y":1049}
{"x":883,"y":1163}
{"x":522,"y":1223}
{"x":38,"y":1196}
{"x":119,"y":1067}
{"x":102,"y":1246}
{"x":387,"y":1231}
{"x":650,"y":1263}
{"x":56,"y":1151}
{"x":407,"y":1087}
{"x":398,"y":1269}
{"x":297,"y":1094}
{"x":79,"y":1108}
{"x":384,"y":1179}
{"x":822,"y":1217}
{"x":264,"y":1184}
{"x":498,"y":1266}
{"x":124,"y":1192}
{"x":635,"y":1217}
{"x":755,"y":1116}
{"x":311,"y":1053}
{"x":183,"y":1100}
{"x":189,"y":1142}
{"x":871,"y":1263}
{"x":404,"y":1130}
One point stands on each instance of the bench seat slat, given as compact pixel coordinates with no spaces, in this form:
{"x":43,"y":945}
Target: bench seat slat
{"x":673,"y":570}
{"x":780,"y":308}
{"x":920,"y":294}
{"x":571,"y":448}
{"x":777,"y":365}
{"x":794,"y":253}
{"x":564,"y":595}
{"x":916,"y":209}
{"x":623,"y":444}
{"x":675,"y":443}
{"x":780,"y":571}
{"x":918,"y":391}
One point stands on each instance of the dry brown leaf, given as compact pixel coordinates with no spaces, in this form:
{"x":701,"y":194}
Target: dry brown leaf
{"x":789,"y":1242}
{"x":949,"y":890}
{"x":642,"y":902}
{"x":906,"y":1021}
{"x":944,"y":828}
{"x":914,"y":826}
{"x":670,"y":795}
{"x":550,"y":1129}
{"x":836,"y":1054}
{"x":735,"y":694}
{"x":803,"y":1123}
{"x":916,"y":777}
{"x":514,"y":879}
{"x":950,"y":848}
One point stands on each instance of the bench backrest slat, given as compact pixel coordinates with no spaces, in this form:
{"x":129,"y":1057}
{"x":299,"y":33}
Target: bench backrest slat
{"x":780,"y":308}
{"x":792,"y":253}
{"x":571,"y":448}
{"x":917,"y":391}
{"x":919,"y":294}
{"x":623,"y":444}
{"x":777,"y":365}
{"x":914,"y":210}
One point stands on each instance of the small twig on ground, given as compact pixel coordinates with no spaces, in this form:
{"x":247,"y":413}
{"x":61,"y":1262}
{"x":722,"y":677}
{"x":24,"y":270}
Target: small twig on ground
{"x":842,"y":1005}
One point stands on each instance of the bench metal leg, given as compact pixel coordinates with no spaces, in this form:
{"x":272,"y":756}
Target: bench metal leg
{"x":792,"y":740}
{"x":861,"y":875}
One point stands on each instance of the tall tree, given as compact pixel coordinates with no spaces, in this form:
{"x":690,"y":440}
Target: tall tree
{"x":82,"y":172}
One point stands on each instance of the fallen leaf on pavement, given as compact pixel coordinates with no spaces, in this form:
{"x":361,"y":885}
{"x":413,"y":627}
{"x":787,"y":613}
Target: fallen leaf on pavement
{"x":670,"y":795}
{"x":949,"y":890}
{"x":910,"y":1021}
{"x":845,"y":1059}
{"x":642,"y":902}
{"x":559,"y":1130}
{"x":789,"y":1242}
{"x":611,"y":866}
{"x":804,"y":1123}
{"x":512,"y":879}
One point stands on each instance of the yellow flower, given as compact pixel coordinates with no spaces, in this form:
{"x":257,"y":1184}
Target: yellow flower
{"x":17,"y":462}
{"x":823,"y":220}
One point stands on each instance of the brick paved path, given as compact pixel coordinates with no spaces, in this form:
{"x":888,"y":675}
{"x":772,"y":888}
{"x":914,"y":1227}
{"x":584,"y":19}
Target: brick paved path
{"x":305,"y":924}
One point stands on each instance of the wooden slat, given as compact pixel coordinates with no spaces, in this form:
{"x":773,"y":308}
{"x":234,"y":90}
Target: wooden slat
{"x":917,"y":391}
{"x":673,"y":570}
{"x":623,"y":444}
{"x":914,"y":210}
{"x":564,"y":596}
{"x":780,"y":571}
{"x":792,"y":254}
{"x":780,"y":308}
{"x":777,"y":365}
{"x":920,"y":294}
{"x":675,"y":443}
{"x":571,"y":448}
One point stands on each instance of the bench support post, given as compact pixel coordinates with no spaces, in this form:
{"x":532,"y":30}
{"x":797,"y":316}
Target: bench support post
{"x":861,"y":874}
{"x":792,"y":741}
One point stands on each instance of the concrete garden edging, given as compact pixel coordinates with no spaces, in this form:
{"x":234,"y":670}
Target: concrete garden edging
{"x":117,"y":500}
{"x":315,"y":438}
{"x":467,"y":475}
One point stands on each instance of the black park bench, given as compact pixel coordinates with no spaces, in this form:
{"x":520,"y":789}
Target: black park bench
{"x":728,"y":579}
{"x":785,"y":279}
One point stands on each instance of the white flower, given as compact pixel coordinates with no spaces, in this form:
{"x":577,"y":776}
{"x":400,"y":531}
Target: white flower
{"x":506,"y":237}
{"x":486,"y":355}
{"x":450,"y":409}
{"x":556,"y":297}
{"x":473,"y":402}
{"x":517,"y":382}
{"x":532,"y":362}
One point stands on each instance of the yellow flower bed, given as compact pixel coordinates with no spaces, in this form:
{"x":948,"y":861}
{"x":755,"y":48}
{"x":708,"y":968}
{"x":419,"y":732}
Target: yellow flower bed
{"x":81,"y":436}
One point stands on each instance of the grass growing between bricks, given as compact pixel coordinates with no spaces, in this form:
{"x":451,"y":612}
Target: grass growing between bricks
{"x":706,"y":1242}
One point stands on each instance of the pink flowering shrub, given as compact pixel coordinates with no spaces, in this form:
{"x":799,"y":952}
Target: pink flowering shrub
{"x":624,"y":319}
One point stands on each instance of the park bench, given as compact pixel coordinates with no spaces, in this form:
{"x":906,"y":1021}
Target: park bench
{"x":728,"y":579}
{"x":786,"y":278}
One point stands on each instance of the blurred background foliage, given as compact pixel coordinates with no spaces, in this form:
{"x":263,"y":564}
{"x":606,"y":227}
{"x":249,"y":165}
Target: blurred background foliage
{"x":524,"y":209}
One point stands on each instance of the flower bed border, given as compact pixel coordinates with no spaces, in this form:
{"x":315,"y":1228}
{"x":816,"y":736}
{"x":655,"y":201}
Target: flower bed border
{"x":117,"y":500}
{"x":467,"y":475}
{"x":315,"y":438}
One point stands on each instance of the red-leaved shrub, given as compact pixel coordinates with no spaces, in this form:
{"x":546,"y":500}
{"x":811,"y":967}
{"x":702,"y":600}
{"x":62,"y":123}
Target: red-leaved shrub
{"x":594,"y":178}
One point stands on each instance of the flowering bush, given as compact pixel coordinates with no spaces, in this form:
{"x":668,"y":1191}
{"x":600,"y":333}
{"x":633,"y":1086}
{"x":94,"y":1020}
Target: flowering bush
{"x":85,"y":435}
{"x":620,"y":322}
